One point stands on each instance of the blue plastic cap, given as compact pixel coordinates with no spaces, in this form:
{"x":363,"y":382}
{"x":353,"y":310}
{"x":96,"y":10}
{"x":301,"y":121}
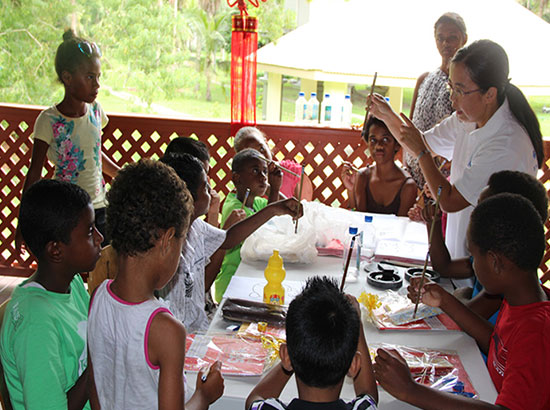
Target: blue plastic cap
{"x":348,"y":97}
{"x":314,"y":94}
{"x":353,"y":230}
{"x":387,"y":99}
{"x":327,"y":95}
{"x":368,"y":218}
{"x":301,"y":94}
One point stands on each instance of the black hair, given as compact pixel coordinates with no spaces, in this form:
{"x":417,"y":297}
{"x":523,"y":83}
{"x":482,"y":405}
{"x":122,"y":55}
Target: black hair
{"x":516,"y":182}
{"x":243,"y":157}
{"x":146,"y":198}
{"x":188,"y":168}
{"x":487,"y":65}
{"x":243,"y":134}
{"x":69,"y":56}
{"x":322,"y":333}
{"x":188,"y":145}
{"x":509,"y":224}
{"x":453,"y":18}
{"x":50,"y":210}
{"x":375,"y":121}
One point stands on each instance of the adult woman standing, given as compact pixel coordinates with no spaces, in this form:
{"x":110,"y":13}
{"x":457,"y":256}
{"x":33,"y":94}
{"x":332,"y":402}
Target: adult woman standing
{"x":493,"y":128}
{"x":431,"y":101}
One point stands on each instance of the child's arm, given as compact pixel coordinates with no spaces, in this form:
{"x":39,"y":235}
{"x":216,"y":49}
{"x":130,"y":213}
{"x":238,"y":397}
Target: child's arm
{"x":348,"y":176}
{"x":213,"y":215}
{"x":394,"y":376}
{"x":77,"y":396}
{"x":240,"y":231}
{"x":407,"y":197}
{"x":92,"y":391}
{"x":166,"y":348}
{"x":471,"y":323}
{"x":360,"y":190}
{"x":108,"y":166}
{"x":364,"y":381}
{"x":274,"y":179}
{"x":439,"y":254}
{"x":485,"y":305}
{"x":39,"y":150}
{"x":270,"y":386}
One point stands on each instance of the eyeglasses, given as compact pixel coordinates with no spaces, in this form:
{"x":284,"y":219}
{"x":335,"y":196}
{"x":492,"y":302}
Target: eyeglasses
{"x":88,"y":48}
{"x":460,"y":92}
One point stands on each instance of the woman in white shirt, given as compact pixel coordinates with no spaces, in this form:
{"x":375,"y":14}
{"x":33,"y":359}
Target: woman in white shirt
{"x":493,"y":128}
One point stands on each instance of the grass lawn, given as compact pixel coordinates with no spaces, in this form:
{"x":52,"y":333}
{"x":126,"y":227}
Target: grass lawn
{"x":194,"y":105}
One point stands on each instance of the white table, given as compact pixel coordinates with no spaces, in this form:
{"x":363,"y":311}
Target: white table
{"x":238,"y":388}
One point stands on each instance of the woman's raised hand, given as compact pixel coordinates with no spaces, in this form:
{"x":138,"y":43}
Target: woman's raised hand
{"x":379,"y":107}
{"x":348,"y":175}
{"x":410,"y":137}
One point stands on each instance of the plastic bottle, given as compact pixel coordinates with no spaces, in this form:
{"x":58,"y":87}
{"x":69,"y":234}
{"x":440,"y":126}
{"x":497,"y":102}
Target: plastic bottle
{"x":346,"y":112}
{"x":312,"y":113}
{"x":274,"y":292}
{"x":326,"y":110}
{"x":301,"y":108}
{"x":368,"y":239}
{"x":352,"y":231}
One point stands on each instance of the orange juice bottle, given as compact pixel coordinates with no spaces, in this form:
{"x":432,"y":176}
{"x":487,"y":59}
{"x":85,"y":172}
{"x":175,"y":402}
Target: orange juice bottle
{"x":274,"y":292}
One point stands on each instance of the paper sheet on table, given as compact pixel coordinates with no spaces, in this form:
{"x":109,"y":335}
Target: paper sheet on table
{"x":247,"y":288}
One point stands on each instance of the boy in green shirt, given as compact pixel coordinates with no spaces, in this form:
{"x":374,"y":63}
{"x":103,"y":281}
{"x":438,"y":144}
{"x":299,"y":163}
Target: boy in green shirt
{"x":43,"y":336}
{"x":250,"y":172}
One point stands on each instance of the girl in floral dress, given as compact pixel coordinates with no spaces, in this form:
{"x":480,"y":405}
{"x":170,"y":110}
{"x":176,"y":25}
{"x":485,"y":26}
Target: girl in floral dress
{"x":69,"y":133}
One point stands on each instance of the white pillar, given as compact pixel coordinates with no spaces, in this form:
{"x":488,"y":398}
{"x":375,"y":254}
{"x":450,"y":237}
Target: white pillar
{"x":396,"y":98}
{"x":273,"y":103}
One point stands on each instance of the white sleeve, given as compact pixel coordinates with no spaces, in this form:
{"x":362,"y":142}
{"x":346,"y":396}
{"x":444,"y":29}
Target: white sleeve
{"x":213,"y":238}
{"x":441,"y":139}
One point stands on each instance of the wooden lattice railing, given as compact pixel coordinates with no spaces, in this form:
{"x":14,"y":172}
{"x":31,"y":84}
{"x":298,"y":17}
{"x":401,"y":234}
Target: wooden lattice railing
{"x":129,"y":137}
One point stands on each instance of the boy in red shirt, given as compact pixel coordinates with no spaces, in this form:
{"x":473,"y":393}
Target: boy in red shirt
{"x":506,"y":240}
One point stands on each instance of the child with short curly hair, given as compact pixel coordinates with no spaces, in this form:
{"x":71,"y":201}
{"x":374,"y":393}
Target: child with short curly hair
{"x":137,"y":348}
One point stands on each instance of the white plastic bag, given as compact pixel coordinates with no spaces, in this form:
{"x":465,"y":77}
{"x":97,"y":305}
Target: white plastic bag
{"x":278,"y":233}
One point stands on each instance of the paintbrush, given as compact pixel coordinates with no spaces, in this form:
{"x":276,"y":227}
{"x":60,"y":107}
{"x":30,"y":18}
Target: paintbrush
{"x":428,"y":253}
{"x":364,"y":132}
{"x":299,"y":195}
{"x":245,"y":197}
{"x":270,"y":161}
{"x":421,"y":194}
{"x":350,"y":251}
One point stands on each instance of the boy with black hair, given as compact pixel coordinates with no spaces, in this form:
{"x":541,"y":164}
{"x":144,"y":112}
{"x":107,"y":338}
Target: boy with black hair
{"x":325,"y":341}
{"x":514,"y":182}
{"x":186,"y":290}
{"x":506,"y":239}
{"x":43,"y":340}
{"x":136,"y":346}
{"x":198,"y":149}
{"x":250,"y":172}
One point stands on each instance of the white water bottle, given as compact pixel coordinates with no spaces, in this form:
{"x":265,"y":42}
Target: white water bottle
{"x":312,"y":112}
{"x":326,"y":110}
{"x":368,"y":239}
{"x":346,"y":112}
{"x":301,"y":108}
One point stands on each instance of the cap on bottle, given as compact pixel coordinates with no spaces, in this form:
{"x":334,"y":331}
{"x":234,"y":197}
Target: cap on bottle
{"x":347,"y":97}
{"x":314,"y":94}
{"x":353,"y":230}
{"x":301,"y":94}
{"x":368,"y":218}
{"x":327,"y":95}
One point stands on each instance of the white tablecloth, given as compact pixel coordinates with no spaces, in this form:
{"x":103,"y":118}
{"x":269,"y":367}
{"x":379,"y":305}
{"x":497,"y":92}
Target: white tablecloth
{"x":238,"y":388}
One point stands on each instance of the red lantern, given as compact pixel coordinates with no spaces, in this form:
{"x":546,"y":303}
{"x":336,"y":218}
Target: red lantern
{"x":244,"y":45}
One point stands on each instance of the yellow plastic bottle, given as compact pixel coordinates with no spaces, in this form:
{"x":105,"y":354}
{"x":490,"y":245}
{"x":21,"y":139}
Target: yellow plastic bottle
{"x":274,"y":292}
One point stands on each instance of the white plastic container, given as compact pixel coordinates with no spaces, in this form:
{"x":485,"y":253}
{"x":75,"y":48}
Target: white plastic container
{"x":326,"y":110}
{"x":345,"y":117}
{"x":301,"y":108}
{"x":312,"y":111}
{"x":368,"y":240}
